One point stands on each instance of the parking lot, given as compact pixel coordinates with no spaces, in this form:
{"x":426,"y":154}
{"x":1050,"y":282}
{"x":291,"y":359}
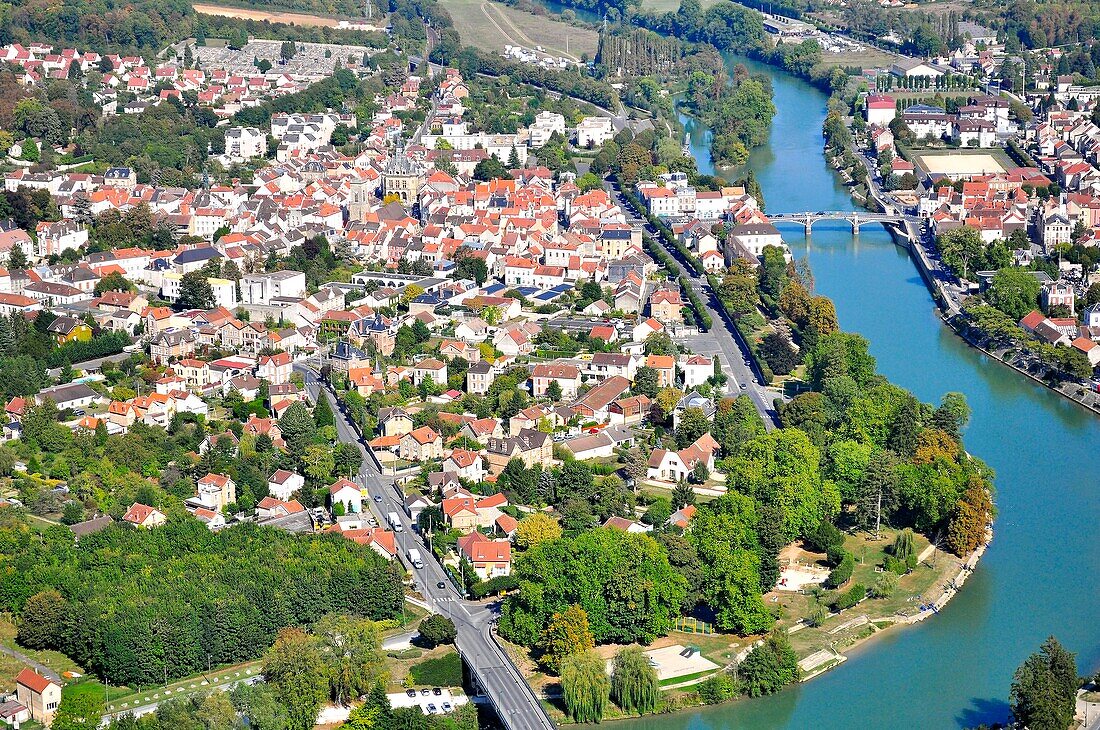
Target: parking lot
{"x":430,"y":703}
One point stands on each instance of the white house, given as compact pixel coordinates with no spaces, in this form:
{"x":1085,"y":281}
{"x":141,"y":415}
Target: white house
{"x":346,"y":493}
{"x":465,"y":464}
{"x":282,"y":484}
{"x":697,"y":369}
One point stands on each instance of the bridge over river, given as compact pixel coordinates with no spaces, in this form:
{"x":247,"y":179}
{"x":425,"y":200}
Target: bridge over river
{"x":854,"y":218}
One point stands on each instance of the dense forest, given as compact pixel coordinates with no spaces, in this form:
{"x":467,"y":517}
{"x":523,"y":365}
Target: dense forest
{"x":137,"y":605}
{"x":739,"y":111}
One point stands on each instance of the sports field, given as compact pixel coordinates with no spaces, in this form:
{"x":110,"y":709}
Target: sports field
{"x":962,"y":163}
{"x":490,"y":26}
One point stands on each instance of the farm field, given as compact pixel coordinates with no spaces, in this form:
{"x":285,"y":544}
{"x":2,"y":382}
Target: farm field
{"x":491,"y":26}
{"x":273,"y":16}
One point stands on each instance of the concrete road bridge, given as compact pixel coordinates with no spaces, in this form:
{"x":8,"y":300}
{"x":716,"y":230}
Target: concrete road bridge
{"x":854,"y":218}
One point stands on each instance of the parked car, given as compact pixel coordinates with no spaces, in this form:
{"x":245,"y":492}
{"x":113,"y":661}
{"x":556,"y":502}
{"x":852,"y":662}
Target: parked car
{"x":437,"y":691}
{"x":431,"y":709}
{"x":410,"y":692}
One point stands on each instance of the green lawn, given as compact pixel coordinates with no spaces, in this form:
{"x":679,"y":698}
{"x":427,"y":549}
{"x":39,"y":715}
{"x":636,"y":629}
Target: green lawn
{"x":686,"y":678}
{"x":444,"y":671}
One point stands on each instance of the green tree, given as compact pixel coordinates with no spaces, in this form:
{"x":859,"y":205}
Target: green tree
{"x":437,"y":630}
{"x":769,"y":667}
{"x":322,"y":412}
{"x":1014,"y":291}
{"x":585,"y":686}
{"x":72,"y":513}
{"x":491,"y":168}
{"x":318,"y":462}
{"x":195,"y":292}
{"x":295,"y":668}
{"x":778,"y":353}
{"x":469,"y":266}
{"x":659,"y":343}
{"x":566,"y":634}
{"x":1044,"y":688}
{"x":634,"y":684}
{"x":723,"y":533}
{"x":959,"y":247}
{"x":43,"y":620}
{"x":646,"y":382}
{"x":553,"y":391}
{"x":623,"y":581}
{"x":717,"y":688}
{"x":693,"y":424}
{"x":682,"y":495}
{"x":298,"y":428}
{"x":113,"y":281}
{"x":782,"y":468}
{"x":351,"y":649}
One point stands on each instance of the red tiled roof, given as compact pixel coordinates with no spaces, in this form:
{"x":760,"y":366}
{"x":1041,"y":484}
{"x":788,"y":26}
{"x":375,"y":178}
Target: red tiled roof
{"x":32,"y":679}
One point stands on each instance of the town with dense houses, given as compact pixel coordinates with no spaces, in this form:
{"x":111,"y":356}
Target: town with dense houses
{"x":375,"y":380}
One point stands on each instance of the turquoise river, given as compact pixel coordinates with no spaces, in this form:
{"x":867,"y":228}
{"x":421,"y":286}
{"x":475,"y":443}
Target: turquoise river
{"x":1041,"y":574}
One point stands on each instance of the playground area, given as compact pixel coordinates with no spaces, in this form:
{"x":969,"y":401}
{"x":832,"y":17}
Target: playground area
{"x":796,"y":577}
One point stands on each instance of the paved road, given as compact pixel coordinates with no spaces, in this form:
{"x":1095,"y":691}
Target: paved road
{"x":36,"y":666}
{"x":723,"y":340}
{"x":514,"y":701}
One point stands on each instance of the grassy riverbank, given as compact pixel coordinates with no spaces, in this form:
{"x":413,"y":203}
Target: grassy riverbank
{"x":820,"y":643}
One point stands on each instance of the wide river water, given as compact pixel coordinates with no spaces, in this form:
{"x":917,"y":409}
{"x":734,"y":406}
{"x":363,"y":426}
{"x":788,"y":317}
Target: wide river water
{"x":1040,"y":576}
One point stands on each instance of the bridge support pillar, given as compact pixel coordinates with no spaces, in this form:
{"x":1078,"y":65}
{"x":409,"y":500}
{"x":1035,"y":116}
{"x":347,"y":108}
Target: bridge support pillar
{"x":855,"y":225}
{"x":809,"y":227}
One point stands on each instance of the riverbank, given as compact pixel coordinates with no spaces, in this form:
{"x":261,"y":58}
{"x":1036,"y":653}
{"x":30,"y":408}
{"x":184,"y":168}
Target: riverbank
{"x":949,"y":302}
{"x":820,"y":648}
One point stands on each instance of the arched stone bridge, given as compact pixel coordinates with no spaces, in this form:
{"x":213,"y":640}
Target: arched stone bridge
{"x":854,"y":218}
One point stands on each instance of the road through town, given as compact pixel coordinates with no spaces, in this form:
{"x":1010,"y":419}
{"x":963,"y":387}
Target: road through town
{"x":722,"y":340}
{"x":514,"y":701}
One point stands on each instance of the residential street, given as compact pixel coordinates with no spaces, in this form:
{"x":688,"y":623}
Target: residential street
{"x":514,"y":701}
{"x":723,"y":340}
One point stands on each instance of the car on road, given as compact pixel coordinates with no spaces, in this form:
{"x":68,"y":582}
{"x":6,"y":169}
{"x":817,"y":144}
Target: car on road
{"x":744,"y":387}
{"x":378,"y":498}
{"x":441,"y":584}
